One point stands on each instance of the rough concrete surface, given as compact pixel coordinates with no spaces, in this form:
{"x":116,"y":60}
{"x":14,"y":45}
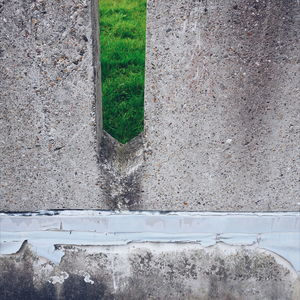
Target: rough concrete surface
{"x":50,"y":108}
{"x":221,"y":109}
{"x":54,"y":154}
{"x":149,"y":271}
{"x":222,"y":105}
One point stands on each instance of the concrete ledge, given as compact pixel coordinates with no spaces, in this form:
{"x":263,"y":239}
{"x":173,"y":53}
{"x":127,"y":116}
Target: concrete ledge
{"x":149,"y":255}
{"x":47,"y":231}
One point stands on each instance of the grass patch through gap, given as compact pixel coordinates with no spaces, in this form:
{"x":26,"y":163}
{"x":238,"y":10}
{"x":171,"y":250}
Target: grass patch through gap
{"x":122,"y":42}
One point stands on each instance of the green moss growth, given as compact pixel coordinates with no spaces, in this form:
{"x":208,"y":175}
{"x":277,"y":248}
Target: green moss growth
{"x":122,"y":39}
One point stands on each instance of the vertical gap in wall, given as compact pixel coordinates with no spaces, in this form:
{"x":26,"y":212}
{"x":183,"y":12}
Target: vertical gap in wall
{"x":122,"y":40}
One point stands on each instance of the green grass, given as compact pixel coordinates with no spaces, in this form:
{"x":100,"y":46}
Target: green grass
{"x":122,"y":40}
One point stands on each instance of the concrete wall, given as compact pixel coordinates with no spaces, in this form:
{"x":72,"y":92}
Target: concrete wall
{"x":50,"y":105}
{"x":222,"y":105}
{"x":221,"y":109}
{"x":221,"y":134}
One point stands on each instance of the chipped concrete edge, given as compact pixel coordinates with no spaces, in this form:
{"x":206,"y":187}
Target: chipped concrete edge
{"x":97,"y":70}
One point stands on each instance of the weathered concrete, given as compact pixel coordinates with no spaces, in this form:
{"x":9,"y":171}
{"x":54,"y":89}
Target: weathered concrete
{"x":221,"y":109}
{"x":149,"y":271}
{"x":276,"y":232}
{"x":144,"y":255}
{"x":50,"y":108}
{"x":222,"y":105}
{"x":221,"y":133}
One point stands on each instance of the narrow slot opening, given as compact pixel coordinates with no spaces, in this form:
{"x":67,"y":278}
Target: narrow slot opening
{"x":122,"y":43}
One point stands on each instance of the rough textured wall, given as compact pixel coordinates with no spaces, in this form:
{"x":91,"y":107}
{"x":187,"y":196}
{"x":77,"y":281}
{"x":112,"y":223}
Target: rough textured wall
{"x":50,"y":104}
{"x":222,"y":105}
{"x":149,"y":271}
{"x":54,"y":153}
{"x":221,"y":109}
{"x":221,"y":133}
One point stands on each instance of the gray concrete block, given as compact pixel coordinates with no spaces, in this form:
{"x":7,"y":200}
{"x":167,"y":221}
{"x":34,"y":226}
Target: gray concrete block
{"x":222,"y":106}
{"x":221,"y":109}
{"x":50,"y":105}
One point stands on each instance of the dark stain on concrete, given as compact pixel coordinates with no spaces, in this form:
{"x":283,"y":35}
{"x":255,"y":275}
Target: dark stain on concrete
{"x":75,"y":288}
{"x":121,"y":165}
{"x":16,"y":279}
{"x":261,"y":43}
{"x":151,"y":274}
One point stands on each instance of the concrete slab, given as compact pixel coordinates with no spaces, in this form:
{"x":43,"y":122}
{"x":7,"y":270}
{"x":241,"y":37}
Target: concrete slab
{"x":222,"y":106}
{"x":50,"y":105}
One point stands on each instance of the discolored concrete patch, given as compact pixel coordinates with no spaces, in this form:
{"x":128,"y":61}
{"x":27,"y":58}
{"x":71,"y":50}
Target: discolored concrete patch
{"x":149,"y":271}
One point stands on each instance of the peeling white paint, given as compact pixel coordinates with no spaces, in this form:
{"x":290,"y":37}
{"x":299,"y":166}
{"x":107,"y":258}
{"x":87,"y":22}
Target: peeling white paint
{"x":47,"y":230}
{"x":87,"y":278}
{"x":59,"y":278}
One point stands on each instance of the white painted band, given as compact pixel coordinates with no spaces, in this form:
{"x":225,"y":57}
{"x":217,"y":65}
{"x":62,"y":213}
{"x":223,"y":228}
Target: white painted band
{"x":278,"y":232}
